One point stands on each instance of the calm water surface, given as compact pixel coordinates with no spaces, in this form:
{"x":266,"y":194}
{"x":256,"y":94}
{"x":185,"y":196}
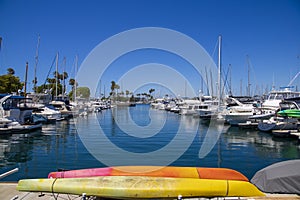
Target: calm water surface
{"x":60,"y":146}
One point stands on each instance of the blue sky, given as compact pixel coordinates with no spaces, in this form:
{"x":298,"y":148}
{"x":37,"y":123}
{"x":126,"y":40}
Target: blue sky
{"x":268,"y":31}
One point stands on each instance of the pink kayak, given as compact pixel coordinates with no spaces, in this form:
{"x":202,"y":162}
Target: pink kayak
{"x":154,"y":171}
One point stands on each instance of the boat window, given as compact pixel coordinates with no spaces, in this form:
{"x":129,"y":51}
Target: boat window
{"x":279,"y":97}
{"x":9,"y":104}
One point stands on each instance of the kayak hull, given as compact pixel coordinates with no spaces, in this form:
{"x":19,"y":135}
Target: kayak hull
{"x":141,"y":187}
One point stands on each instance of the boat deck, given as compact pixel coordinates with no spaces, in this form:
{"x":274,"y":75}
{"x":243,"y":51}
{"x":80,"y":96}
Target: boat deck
{"x":8,"y":192}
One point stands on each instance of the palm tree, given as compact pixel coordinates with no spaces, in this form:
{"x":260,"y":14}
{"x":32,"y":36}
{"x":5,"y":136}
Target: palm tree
{"x":64,"y":77}
{"x":72,"y":82}
{"x":127,"y":92}
{"x":10,"y":71}
{"x":150,"y":91}
{"x":112,"y":87}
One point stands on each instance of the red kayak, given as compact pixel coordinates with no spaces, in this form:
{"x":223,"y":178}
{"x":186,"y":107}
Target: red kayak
{"x":154,"y":171}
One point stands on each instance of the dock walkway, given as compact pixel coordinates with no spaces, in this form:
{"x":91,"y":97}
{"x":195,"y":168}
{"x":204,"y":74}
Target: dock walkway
{"x":8,"y":192}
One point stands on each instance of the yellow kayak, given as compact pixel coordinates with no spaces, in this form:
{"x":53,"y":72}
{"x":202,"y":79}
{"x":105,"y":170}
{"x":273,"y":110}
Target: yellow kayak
{"x":141,"y":187}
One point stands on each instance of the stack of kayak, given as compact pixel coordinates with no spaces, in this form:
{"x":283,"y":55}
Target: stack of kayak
{"x":295,"y":113}
{"x":145,"y":182}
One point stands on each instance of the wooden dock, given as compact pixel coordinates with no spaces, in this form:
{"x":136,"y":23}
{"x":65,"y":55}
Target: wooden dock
{"x":8,"y":192}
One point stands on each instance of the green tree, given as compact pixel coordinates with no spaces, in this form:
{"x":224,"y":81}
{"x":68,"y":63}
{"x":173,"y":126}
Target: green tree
{"x":10,"y":83}
{"x":83,"y":92}
{"x":51,"y":80}
{"x":132,"y":99}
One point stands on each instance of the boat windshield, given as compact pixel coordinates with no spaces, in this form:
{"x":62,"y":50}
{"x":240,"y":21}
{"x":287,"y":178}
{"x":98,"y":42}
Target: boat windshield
{"x":283,"y":95}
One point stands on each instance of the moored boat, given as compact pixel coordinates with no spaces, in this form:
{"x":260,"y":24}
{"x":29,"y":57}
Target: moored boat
{"x":282,"y":177}
{"x":16,"y":117}
{"x":278,"y":123}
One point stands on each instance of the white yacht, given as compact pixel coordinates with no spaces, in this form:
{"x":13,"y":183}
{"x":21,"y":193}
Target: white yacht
{"x":189,"y":107}
{"x":63,"y":108}
{"x":240,"y":112}
{"x":15,"y":118}
{"x":158,"y":104}
{"x":49,"y":112}
{"x":208,"y":107}
{"x":273,"y":99}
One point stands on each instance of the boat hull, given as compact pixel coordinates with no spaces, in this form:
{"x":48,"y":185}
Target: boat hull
{"x":235,"y":119}
{"x":136,"y":187}
{"x":268,"y":127}
{"x":154,"y":171}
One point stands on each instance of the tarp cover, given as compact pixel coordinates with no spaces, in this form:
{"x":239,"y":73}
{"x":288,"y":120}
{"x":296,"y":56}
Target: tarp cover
{"x":282,"y":177}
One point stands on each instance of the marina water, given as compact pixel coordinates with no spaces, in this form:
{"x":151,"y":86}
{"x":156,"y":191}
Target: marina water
{"x":61,"y":146}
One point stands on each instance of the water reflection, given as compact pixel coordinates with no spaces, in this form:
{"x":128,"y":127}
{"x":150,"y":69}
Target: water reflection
{"x":265,"y":144}
{"x":16,"y":148}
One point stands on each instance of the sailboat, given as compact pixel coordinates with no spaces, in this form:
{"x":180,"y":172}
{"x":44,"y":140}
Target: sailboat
{"x":212,"y":108}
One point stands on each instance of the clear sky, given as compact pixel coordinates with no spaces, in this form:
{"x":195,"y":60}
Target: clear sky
{"x":268,"y":31}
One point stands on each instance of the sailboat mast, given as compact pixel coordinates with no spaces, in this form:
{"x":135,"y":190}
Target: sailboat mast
{"x":56,"y":75}
{"x":248,"y":87}
{"x":219,"y":71}
{"x":230,"y":86}
{"x":25,"y":82}
{"x":100,"y":90}
{"x":36,"y":63}
{"x":63,"y":76}
{"x":75,"y":88}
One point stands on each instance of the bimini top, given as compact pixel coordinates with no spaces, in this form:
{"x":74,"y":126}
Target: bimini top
{"x":282,"y":177}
